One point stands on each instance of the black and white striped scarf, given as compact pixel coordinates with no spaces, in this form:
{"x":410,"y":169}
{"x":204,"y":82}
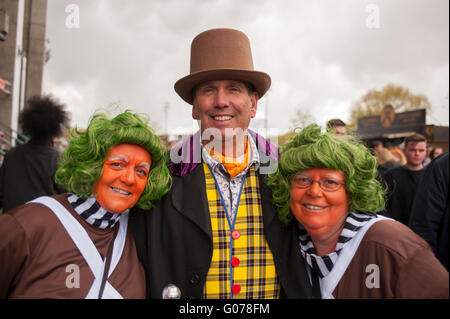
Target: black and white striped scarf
{"x":323,"y":265}
{"x":91,"y":211}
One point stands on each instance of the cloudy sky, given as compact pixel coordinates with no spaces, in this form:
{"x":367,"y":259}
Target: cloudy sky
{"x":322,"y":55}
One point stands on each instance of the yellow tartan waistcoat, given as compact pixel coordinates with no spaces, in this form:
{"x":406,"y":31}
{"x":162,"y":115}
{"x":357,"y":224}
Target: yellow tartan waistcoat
{"x":242,"y":264}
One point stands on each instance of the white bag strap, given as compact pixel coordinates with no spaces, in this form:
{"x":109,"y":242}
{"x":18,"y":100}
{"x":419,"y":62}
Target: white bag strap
{"x":86,"y":247}
{"x":329,"y":282}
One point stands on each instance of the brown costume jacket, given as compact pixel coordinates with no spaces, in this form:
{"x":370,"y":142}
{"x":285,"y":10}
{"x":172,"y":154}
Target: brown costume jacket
{"x":393,"y":262}
{"x":36,"y":250}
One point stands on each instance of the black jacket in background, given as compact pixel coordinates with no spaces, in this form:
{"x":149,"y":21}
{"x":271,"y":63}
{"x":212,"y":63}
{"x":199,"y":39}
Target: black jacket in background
{"x":430,"y":210}
{"x":27,"y":172}
{"x":402,"y":184}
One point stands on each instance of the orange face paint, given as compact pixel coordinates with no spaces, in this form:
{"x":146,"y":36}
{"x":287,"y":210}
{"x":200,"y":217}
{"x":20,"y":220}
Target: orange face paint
{"x":322,"y":213}
{"x":125,"y":174}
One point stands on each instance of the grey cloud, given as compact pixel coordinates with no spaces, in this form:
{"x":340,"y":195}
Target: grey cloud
{"x":317,"y":52}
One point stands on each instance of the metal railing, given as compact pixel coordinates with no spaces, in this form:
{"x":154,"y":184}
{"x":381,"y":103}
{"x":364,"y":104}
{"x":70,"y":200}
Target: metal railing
{"x":7,"y":136}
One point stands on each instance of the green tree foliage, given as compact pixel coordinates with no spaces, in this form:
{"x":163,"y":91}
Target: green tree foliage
{"x":372,"y":102}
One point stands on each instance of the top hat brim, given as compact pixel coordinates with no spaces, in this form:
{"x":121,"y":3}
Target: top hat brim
{"x":260,"y":80}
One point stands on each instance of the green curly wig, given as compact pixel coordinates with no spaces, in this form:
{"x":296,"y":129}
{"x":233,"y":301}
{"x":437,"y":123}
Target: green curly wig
{"x":81,"y":164}
{"x":310,"y":148}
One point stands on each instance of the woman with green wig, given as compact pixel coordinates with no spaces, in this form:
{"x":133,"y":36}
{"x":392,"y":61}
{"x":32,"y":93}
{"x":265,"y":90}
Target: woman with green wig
{"x":77,"y":244}
{"x":327,"y":184}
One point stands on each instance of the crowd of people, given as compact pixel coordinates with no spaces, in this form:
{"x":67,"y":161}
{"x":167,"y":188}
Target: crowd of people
{"x":409,"y":189}
{"x":225,"y":213}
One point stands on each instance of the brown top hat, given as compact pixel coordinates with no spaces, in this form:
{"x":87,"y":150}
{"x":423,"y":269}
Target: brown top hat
{"x":221,"y":54}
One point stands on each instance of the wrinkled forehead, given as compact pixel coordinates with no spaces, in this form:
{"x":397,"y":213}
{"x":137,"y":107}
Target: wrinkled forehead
{"x":127,"y":152}
{"x":250,"y":88}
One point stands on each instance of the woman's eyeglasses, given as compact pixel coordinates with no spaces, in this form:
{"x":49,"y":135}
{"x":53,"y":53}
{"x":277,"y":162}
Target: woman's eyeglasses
{"x":327,"y":184}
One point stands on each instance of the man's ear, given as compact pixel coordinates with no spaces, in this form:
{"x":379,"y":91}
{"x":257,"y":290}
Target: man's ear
{"x":254,"y":97}
{"x":195,"y":113}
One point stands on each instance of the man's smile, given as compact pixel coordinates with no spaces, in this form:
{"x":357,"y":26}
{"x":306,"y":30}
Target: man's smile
{"x":222,"y":117}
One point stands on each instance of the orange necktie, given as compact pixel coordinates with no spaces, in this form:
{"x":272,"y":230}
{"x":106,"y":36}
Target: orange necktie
{"x":232,"y":165}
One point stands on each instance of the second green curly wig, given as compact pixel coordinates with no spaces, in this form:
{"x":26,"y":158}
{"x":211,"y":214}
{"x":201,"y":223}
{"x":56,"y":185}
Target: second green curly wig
{"x":310,"y":148}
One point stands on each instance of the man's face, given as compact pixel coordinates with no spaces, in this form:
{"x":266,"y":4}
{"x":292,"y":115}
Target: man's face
{"x":415,"y":153}
{"x":224,"y":104}
{"x":340,"y":130}
{"x":378,"y":147}
{"x":437,"y":151}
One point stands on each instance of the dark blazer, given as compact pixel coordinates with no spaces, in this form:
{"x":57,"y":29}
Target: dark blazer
{"x":430,"y":209}
{"x":174,"y":240}
{"x":28,"y":172}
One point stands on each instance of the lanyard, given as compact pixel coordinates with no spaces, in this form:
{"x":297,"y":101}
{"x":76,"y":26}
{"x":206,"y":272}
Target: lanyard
{"x":230,"y":222}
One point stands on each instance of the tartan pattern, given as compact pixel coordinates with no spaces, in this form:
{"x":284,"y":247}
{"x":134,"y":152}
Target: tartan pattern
{"x":256,"y":272}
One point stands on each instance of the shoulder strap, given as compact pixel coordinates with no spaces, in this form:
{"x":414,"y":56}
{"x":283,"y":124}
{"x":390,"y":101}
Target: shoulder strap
{"x":107,"y":264}
{"x":329,"y":282}
{"x":316,"y":294}
{"x":86,"y":247}
{"x":76,"y":232}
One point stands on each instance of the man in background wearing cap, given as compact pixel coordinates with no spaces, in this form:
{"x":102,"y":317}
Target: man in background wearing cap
{"x":216,"y":234}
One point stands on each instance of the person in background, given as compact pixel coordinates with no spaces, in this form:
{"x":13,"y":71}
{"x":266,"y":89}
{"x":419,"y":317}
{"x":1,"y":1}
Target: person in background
{"x":402,"y":181}
{"x":327,"y":186}
{"x":427,"y":158}
{"x":430,"y":209}
{"x":397,"y":152}
{"x":376,"y":146}
{"x":77,"y":244}
{"x":436,"y":151}
{"x":28,"y":169}
{"x":386,"y":160}
{"x":337,"y":126}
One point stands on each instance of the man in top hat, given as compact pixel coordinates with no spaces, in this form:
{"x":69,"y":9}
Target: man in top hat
{"x":216,"y":234}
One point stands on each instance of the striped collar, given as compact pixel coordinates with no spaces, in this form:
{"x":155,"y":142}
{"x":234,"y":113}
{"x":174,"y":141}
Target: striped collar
{"x":323,"y":265}
{"x":91,"y":211}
